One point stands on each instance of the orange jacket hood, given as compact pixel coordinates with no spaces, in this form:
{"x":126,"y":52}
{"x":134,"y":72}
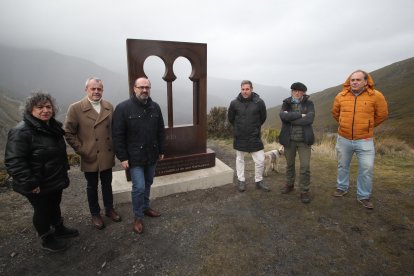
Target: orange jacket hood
{"x":369,"y":87}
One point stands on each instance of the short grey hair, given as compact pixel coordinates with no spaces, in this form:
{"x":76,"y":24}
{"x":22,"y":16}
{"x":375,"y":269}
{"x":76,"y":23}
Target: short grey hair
{"x":98,"y":80}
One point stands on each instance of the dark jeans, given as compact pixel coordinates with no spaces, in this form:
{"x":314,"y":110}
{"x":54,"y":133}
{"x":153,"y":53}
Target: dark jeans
{"x":92,"y":179}
{"x":46,"y":210}
{"x":142,"y":178}
{"x":304,"y":158}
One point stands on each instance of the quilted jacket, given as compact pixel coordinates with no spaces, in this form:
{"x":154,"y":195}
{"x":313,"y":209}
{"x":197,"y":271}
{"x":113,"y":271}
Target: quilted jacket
{"x":358,"y":115}
{"x":36,"y":156}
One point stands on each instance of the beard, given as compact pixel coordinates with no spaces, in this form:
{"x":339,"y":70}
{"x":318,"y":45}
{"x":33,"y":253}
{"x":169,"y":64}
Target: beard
{"x":143,"y":97}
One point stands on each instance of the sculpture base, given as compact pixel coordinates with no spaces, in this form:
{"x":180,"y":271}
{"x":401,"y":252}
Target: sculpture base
{"x":219,"y":175}
{"x":183,"y":163}
{"x":186,"y":163}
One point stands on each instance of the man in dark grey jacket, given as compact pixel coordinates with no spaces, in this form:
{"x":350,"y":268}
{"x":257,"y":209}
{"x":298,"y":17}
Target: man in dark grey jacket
{"x":297,"y":115}
{"x":247,"y":113}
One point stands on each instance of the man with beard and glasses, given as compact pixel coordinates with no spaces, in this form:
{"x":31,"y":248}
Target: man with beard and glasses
{"x":139,"y":136}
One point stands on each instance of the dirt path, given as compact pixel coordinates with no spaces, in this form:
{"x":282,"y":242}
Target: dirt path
{"x":222,"y":231}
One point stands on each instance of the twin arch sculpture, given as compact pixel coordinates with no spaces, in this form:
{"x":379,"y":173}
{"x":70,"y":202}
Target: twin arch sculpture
{"x":186,"y":146}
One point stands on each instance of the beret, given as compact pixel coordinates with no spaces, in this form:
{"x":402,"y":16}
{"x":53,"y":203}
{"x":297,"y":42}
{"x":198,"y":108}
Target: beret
{"x":298,"y":86}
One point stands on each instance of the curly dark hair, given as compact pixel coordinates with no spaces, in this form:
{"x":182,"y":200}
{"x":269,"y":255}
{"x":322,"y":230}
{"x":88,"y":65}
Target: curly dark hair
{"x":39,"y":98}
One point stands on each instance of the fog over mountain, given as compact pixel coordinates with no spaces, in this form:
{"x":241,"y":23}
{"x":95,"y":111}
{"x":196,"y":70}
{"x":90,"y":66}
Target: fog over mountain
{"x":25,"y":70}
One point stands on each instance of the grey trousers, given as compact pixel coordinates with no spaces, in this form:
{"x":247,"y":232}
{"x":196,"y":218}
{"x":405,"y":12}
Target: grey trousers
{"x":304,"y":158}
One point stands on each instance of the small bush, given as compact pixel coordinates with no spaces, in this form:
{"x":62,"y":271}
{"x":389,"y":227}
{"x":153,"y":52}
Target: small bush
{"x":270,"y":135}
{"x":217,"y":124}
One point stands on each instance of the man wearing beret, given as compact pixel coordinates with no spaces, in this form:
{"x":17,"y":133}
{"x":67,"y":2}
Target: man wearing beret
{"x":297,"y":115}
{"x":358,"y":109}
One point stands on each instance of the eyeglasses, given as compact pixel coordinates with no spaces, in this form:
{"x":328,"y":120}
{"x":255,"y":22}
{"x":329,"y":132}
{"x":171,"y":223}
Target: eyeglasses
{"x":143,"y":87}
{"x":297,"y":91}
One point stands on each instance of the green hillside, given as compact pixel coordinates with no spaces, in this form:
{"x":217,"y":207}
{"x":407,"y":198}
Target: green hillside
{"x":395,"y":81}
{"x":9,"y":116}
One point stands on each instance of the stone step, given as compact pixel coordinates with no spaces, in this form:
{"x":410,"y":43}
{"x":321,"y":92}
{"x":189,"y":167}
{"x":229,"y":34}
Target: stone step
{"x":164,"y":185}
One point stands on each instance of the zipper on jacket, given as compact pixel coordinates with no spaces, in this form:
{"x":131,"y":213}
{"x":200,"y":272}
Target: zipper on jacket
{"x":353,"y":118}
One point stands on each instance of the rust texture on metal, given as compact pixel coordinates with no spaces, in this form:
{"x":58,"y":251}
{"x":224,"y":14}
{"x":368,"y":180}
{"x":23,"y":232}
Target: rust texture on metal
{"x":186,"y":146}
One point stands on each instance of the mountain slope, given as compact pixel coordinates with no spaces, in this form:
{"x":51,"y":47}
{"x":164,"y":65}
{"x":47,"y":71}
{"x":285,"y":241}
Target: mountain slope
{"x":25,"y":70}
{"x":9,"y":116}
{"x":395,"y":81}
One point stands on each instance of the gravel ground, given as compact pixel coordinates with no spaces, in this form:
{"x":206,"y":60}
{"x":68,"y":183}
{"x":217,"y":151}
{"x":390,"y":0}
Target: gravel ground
{"x":221,"y":231}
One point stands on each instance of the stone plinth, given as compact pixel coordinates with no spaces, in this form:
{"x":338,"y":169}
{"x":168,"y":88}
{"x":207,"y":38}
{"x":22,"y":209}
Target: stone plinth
{"x":219,"y":175}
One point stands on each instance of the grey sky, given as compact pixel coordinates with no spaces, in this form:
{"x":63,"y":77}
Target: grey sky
{"x":318,"y":42}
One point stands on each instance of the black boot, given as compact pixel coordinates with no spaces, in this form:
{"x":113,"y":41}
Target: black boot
{"x":51,"y":244}
{"x":61,"y":231}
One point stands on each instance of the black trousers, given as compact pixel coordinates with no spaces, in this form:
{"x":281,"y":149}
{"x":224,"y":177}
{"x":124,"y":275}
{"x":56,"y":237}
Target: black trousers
{"x":92,"y":179}
{"x":46,"y":210}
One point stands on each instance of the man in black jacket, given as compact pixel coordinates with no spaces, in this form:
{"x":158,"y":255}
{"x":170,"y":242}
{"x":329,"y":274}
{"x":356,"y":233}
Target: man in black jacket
{"x":297,"y":114}
{"x":138,"y":135}
{"x":247,"y":113}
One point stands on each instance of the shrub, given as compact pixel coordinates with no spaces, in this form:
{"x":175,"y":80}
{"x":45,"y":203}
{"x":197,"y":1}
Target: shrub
{"x":217,"y":124}
{"x":270,"y":135}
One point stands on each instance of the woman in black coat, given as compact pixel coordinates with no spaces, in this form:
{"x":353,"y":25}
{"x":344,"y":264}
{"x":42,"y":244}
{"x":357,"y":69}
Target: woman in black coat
{"x":36,"y":159}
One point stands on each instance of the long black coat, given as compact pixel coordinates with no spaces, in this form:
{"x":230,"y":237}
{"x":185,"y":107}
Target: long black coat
{"x":138,"y":132}
{"x":291,"y":118}
{"x":247,"y":117}
{"x":36,"y":156}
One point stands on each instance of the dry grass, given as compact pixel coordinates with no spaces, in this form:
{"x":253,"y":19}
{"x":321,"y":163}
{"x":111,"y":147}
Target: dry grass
{"x":384,"y":146}
{"x":393,"y":146}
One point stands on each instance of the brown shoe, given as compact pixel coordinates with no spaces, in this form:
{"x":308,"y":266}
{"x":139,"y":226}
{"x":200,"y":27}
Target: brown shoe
{"x":152,"y":213}
{"x":339,"y":193}
{"x":98,"y":222}
{"x":366,"y":203}
{"x":287,"y":189}
{"x":113,"y":215}
{"x":138,"y":226}
{"x":305,"y":197}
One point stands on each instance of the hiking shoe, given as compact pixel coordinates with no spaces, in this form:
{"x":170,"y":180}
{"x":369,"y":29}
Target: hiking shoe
{"x":305,"y":197}
{"x":65,"y":232}
{"x":50,"y":243}
{"x":339,"y":193}
{"x":287,"y":189}
{"x":242,"y":186}
{"x":261,"y":185}
{"x":366,"y":203}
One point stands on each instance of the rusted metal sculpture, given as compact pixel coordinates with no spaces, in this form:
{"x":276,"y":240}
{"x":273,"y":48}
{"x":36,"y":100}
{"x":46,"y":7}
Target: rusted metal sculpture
{"x":186,"y":146}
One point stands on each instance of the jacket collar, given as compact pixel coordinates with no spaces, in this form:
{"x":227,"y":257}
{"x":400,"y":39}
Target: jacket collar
{"x":86,"y":107}
{"x":254,"y":97}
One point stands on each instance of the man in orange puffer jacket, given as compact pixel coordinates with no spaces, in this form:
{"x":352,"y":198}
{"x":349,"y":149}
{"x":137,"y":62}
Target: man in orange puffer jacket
{"x":358,"y":109}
